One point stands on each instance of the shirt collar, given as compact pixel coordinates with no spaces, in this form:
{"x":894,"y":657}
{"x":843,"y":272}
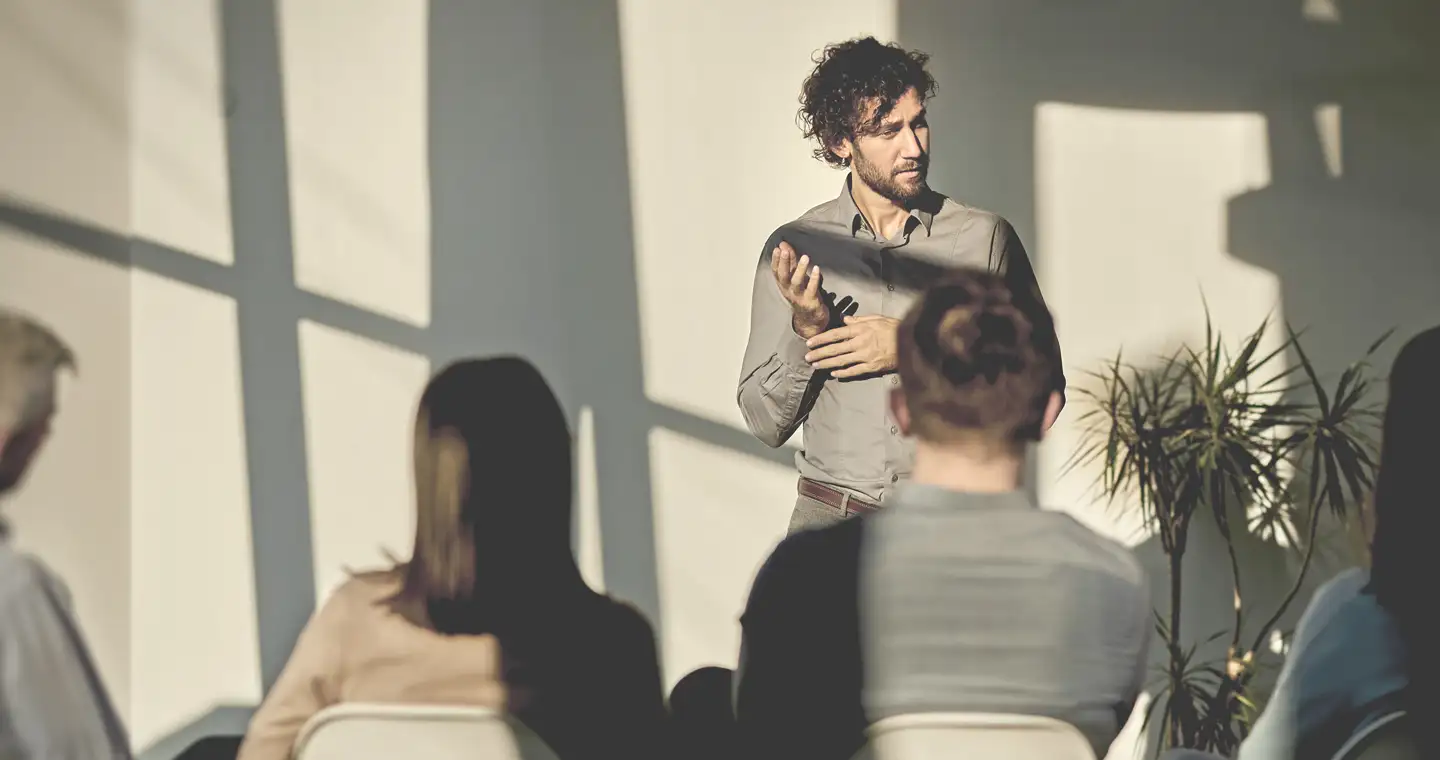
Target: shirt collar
{"x":926,"y":496}
{"x":848,"y":213}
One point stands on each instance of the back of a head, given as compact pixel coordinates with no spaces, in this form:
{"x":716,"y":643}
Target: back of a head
{"x":493,"y":490}
{"x":1402,"y":554}
{"x":30,"y":356}
{"x":977,"y":363}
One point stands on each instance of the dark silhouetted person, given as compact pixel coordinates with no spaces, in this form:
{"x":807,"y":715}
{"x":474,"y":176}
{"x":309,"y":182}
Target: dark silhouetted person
{"x":702,"y":722}
{"x":962,"y":594}
{"x":490,"y":610}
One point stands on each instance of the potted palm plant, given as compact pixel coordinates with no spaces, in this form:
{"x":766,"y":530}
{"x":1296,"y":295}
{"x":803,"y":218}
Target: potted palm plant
{"x":1209,"y":433}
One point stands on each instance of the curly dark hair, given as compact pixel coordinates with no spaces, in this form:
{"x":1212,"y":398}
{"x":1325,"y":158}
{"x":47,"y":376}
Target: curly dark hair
{"x":977,"y":360}
{"x":848,"y":77}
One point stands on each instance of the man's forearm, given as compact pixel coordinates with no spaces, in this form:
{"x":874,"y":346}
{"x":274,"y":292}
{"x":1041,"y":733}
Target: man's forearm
{"x":774,"y":376}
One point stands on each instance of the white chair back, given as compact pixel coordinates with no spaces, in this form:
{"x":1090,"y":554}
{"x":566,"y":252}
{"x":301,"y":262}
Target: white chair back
{"x":976,"y":736}
{"x":358,"y":731}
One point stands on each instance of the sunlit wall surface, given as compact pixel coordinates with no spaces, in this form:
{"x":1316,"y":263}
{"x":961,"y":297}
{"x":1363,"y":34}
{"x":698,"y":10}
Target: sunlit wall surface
{"x":1131,"y":219}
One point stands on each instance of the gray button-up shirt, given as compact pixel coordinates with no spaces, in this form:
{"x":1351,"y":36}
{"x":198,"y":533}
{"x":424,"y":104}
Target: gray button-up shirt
{"x":977,"y":602}
{"x":851,"y":440}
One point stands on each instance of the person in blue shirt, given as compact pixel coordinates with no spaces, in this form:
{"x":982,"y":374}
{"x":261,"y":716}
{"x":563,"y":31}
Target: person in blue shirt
{"x":1366,"y":645}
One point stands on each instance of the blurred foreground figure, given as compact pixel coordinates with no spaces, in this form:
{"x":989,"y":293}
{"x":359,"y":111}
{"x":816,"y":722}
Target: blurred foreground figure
{"x":52,"y":701}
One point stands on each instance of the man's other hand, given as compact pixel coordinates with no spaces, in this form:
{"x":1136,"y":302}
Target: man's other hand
{"x":863,"y":346}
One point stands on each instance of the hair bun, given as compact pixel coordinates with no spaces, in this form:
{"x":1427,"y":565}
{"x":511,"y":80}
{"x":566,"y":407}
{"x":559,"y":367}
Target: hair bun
{"x":987,"y":344}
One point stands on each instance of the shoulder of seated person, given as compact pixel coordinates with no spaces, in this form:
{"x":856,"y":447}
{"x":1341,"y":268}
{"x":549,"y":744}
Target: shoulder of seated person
{"x":1345,"y":583}
{"x":1118,"y":558}
{"x":803,"y":549}
{"x":1335,"y":593}
{"x":367,"y":587}
{"x":622,"y":615}
{"x":21,"y":573}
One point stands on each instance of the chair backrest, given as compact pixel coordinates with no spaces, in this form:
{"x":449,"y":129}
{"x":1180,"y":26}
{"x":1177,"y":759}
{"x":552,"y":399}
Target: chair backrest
{"x":1389,"y":737}
{"x":358,"y":731}
{"x":942,"y":736}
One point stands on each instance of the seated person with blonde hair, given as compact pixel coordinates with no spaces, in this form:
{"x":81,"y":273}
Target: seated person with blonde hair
{"x":490,"y":610}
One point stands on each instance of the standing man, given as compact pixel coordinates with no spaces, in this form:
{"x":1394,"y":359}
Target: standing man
{"x":832,"y":285}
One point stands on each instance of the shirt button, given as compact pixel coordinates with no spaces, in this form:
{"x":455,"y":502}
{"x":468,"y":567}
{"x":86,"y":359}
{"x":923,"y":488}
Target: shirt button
{"x":894,"y":429}
{"x":891,"y":287}
{"x":894,"y":478}
{"x":894,"y":380}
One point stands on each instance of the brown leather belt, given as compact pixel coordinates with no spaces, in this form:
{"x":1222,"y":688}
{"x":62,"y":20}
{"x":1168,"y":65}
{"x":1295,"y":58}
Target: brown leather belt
{"x":844,"y":501}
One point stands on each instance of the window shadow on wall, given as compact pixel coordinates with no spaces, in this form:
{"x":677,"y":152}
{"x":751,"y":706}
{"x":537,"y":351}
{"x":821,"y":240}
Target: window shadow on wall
{"x":532,"y":254}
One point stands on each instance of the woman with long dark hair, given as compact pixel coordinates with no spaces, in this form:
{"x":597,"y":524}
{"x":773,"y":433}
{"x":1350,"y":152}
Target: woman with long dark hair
{"x":1366,"y":644}
{"x":490,"y":609}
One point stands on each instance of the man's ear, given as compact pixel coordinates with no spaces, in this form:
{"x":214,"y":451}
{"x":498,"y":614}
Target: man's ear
{"x":843,"y":148}
{"x":1052,"y":411}
{"x":900,"y":410}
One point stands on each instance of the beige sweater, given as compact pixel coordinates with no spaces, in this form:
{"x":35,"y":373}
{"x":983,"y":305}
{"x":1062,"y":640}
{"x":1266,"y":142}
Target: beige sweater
{"x":355,"y":649}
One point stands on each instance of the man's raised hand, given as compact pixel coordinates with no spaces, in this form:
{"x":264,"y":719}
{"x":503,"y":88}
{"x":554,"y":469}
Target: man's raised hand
{"x":799,"y":283}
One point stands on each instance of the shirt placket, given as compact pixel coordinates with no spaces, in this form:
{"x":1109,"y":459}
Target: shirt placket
{"x":889,"y":304}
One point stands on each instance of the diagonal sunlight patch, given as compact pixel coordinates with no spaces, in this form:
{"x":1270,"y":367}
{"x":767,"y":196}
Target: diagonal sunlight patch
{"x":190,"y":516}
{"x":355,"y":125}
{"x":179,"y":176}
{"x":360,"y":401}
{"x":589,"y":543}
{"x":64,"y":83}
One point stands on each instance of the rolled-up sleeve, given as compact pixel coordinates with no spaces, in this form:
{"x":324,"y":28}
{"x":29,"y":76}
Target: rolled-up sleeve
{"x":1012,"y":262}
{"x":774,"y":376}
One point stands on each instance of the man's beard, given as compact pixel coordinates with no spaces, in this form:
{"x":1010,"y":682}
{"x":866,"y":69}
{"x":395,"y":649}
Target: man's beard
{"x":886,"y":184}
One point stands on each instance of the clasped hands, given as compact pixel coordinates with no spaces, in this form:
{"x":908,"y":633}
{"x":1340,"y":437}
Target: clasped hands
{"x":864,"y":345}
